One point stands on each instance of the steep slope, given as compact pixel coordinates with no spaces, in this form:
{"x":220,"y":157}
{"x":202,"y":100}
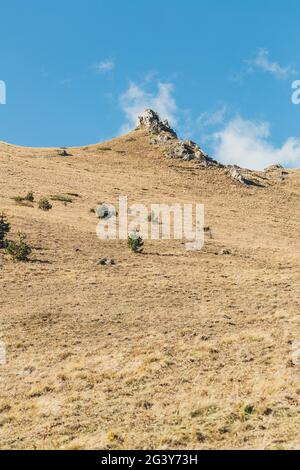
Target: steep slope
{"x":170,"y":349}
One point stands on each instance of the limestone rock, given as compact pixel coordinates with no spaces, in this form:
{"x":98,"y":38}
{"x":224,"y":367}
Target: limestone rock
{"x":236,"y":175}
{"x":106,"y":262}
{"x":273,"y":168}
{"x":224,"y":252}
{"x":150,"y":120}
{"x":165,"y":136}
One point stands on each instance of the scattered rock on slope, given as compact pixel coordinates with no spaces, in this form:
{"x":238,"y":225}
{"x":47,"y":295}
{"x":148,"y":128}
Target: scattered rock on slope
{"x":273,"y":168}
{"x":245,"y":177}
{"x":277,"y":171}
{"x":106,"y":262}
{"x":236,"y":175}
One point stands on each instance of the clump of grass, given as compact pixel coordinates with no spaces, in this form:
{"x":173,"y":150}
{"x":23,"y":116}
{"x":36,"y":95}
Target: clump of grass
{"x":61,"y":198}
{"x":23,"y":200}
{"x":207,"y":231}
{"x":18,"y":199}
{"x":135,"y":243}
{"x":19,"y":250}
{"x":4,"y":230}
{"x":114,"y":437}
{"x":249,"y":410}
{"x":104,"y":149}
{"x":44,"y":204}
{"x":73,"y":194}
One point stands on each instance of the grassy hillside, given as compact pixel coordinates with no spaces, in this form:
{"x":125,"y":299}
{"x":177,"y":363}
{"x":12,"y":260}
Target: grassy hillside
{"x":169,"y":349}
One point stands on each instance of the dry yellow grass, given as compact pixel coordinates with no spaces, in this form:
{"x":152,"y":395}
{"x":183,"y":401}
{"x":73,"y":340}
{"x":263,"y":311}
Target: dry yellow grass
{"x":165,"y":350}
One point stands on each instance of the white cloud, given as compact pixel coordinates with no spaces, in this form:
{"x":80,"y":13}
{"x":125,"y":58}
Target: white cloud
{"x":263,"y":62}
{"x":246,"y":143}
{"x":136,"y":99}
{"x":212,"y":119}
{"x":105,"y":66}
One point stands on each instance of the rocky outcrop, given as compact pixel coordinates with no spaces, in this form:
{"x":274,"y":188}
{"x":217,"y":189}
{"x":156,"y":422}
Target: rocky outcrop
{"x":236,"y":175}
{"x":165,"y":136}
{"x":277,"y":172}
{"x":150,"y":120}
{"x":188,"y":151}
{"x":273,"y":168}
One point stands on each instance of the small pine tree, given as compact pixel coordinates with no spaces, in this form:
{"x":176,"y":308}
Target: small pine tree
{"x":4,"y":229}
{"x":29,"y":197}
{"x":19,"y":250}
{"x":44,"y":204}
{"x":136,"y":243}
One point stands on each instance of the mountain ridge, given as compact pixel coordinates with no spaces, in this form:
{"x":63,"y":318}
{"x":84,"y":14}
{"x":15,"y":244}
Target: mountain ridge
{"x":163,"y":135}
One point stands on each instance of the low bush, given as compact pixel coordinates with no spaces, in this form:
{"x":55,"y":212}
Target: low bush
{"x":44,"y":204}
{"x":4,"y":230}
{"x":29,"y":197}
{"x":135,"y":243}
{"x":19,"y":250}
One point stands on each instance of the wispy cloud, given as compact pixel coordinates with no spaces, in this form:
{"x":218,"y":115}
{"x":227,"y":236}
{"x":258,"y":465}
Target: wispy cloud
{"x":212,"y":119}
{"x":247,"y":144}
{"x":66,"y":81}
{"x":104,"y":66}
{"x":137,"y":98}
{"x":263,"y":62}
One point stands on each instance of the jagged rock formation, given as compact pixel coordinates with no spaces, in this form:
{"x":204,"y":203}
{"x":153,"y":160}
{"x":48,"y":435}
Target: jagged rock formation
{"x":151,"y":121}
{"x":164,"y":135}
{"x":236,"y":175}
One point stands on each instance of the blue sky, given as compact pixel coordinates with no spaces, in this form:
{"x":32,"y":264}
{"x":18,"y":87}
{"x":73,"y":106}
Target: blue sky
{"x":78,"y":72}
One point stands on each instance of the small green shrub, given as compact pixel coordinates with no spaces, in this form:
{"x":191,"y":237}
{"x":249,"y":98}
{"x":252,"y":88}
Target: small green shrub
{"x":29,"y":197}
{"x":136,"y":243}
{"x":249,"y":410}
{"x":19,"y":250}
{"x":4,"y":230}
{"x":44,"y":204}
{"x":18,"y":199}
